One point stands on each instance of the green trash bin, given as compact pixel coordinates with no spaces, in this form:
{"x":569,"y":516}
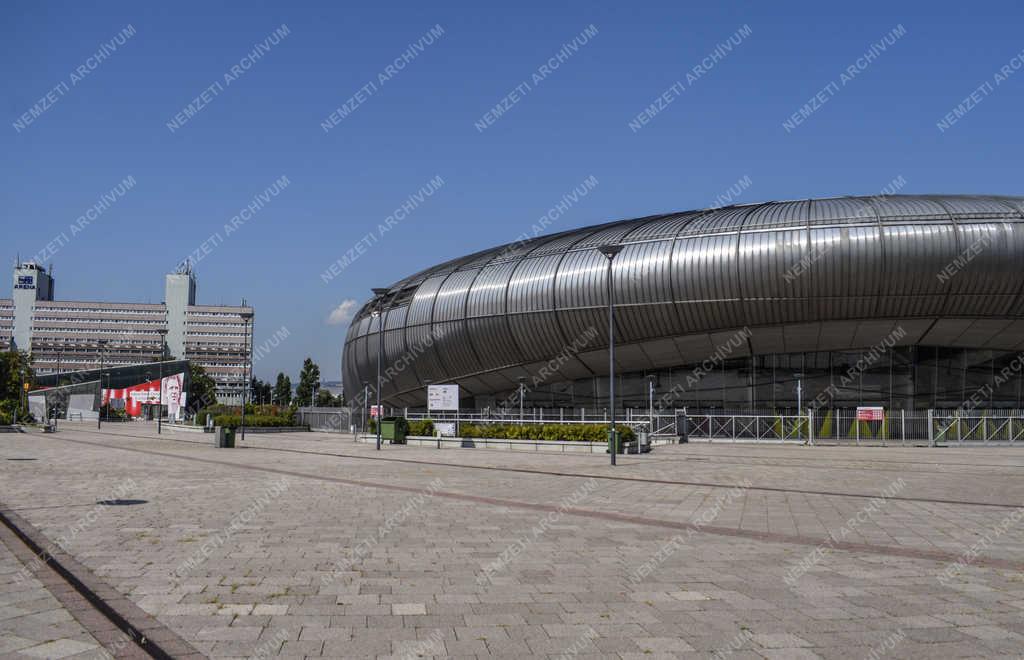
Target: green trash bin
{"x":225,"y":437}
{"x":393,"y":429}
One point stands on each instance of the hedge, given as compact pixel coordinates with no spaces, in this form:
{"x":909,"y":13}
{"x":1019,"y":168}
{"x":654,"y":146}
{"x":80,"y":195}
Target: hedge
{"x":234,"y":421}
{"x":421,"y":427}
{"x":251,"y":410}
{"x":567,"y":432}
{"x":413,"y":427}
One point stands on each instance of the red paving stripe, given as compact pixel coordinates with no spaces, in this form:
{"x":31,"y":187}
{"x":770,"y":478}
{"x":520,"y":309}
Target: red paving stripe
{"x":106,"y":614}
{"x":668,"y":482}
{"x":763,"y":461}
{"x":579,"y":475}
{"x":770,"y":537}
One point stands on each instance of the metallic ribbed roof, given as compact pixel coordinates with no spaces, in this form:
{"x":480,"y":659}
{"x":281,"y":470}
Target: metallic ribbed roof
{"x":803,"y":274}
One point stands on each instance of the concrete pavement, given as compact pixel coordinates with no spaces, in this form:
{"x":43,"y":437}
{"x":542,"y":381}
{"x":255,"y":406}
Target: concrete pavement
{"x":310,"y":545}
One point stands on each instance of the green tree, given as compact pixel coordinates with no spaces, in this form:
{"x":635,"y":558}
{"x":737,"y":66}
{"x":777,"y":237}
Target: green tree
{"x":325,"y":399}
{"x":15,"y":370}
{"x":259,"y":391}
{"x":283,"y":390}
{"x":309,"y":380}
{"x":202,"y":391}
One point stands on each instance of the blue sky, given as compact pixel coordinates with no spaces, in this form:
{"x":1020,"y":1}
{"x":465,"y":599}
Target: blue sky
{"x":724,"y":124}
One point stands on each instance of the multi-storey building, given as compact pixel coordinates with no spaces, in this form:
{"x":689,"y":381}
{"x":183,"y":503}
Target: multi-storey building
{"x":64,"y":336}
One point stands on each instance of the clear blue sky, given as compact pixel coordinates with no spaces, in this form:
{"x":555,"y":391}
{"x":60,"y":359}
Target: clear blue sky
{"x":724,"y":126}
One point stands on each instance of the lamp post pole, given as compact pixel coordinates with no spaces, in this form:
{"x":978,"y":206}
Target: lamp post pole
{"x":160,"y":375}
{"x":102,"y":343}
{"x":522,"y":395}
{"x":426,"y":386}
{"x":799,"y":405}
{"x":247,"y":318}
{"x":650,"y":400}
{"x":610,"y":252}
{"x":379,"y":293}
{"x":366,"y":402}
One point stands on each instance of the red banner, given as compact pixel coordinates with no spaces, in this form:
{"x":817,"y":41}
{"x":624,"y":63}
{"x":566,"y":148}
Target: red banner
{"x":136,"y":396}
{"x":870,"y":413}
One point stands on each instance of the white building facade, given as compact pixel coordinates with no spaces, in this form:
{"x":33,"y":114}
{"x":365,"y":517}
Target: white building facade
{"x":64,"y":336}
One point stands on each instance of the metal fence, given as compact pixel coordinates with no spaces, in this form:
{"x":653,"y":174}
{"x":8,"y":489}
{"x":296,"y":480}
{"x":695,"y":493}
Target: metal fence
{"x":829,"y":426}
{"x":841,"y":426}
{"x":332,"y":420}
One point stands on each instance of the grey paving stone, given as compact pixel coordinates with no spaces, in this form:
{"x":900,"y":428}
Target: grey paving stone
{"x":278,"y":574}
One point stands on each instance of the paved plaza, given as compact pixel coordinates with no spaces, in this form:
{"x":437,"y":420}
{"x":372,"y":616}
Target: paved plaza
{"x":311,"y":545}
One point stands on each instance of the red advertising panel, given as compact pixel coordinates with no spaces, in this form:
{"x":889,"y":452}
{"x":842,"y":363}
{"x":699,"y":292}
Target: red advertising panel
{"x":136,"y":396}
{"x":870,"y":413}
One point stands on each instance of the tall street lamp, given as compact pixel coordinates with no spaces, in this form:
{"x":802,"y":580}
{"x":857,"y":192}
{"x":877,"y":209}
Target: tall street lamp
{"x":610,"y":252}
{"x":149,"y":377}
{"x":160,"y":399}
{"x":366,"y":402}
{"x":426,"y":386}
{"x":247,"y":318}
{"x":522,"y":395}
{"x":650,"y":402}
{"x":379,"y":293}
{"x":102,"y":343}
{"x":105,"y":379}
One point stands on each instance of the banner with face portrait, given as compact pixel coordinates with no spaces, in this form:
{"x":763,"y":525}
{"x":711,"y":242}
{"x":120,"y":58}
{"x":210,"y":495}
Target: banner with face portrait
{"x":136,"y":396}
{"x":174,"y":395}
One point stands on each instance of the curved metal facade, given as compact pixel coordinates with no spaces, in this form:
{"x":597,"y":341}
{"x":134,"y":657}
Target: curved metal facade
{"x":807,"y":275}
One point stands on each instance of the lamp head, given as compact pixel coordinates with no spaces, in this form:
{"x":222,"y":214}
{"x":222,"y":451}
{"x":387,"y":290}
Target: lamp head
{"x":610,"y":250}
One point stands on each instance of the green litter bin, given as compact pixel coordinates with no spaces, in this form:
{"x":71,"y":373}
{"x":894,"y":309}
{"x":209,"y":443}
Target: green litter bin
{"x":393,"y":429}
{"x":225,"y":437}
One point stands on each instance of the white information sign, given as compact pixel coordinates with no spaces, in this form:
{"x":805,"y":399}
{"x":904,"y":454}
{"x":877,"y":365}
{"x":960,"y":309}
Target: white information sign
{"x":442,"y":397}
{"x":446,"y":429}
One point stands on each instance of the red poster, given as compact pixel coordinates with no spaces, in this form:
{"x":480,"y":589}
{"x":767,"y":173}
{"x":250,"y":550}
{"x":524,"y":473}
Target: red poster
{"x":136,"y":396}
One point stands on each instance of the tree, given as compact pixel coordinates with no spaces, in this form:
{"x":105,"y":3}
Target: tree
{"x":259,"y":391}
{"x":325,"y":399}
{"x":309,"y":379}
{"x":283,"y":390}
{"x":15,"y":370}
{"x":202,"y":391}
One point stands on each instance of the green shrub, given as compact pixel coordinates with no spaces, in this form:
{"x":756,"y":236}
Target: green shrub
{"x":421,"y":427}
{"x":548,"y":432}
{"x":234,"y":421}
{"x":402,"y":423}
{"x":113,"y":414}
{"x":7,"y":408}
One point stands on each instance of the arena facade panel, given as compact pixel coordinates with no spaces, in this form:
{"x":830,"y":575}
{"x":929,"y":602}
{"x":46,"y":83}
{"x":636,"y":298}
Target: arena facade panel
{"x":906,"y":301}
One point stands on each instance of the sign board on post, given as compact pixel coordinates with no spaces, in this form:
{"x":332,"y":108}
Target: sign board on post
{"x":442,"y":397}
{"x":870,"y":413}
{"x":446,"y":429}
{"x":373,"y":412}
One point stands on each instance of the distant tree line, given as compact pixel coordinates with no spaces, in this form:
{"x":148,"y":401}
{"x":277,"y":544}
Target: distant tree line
{"x":307,"y":392}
